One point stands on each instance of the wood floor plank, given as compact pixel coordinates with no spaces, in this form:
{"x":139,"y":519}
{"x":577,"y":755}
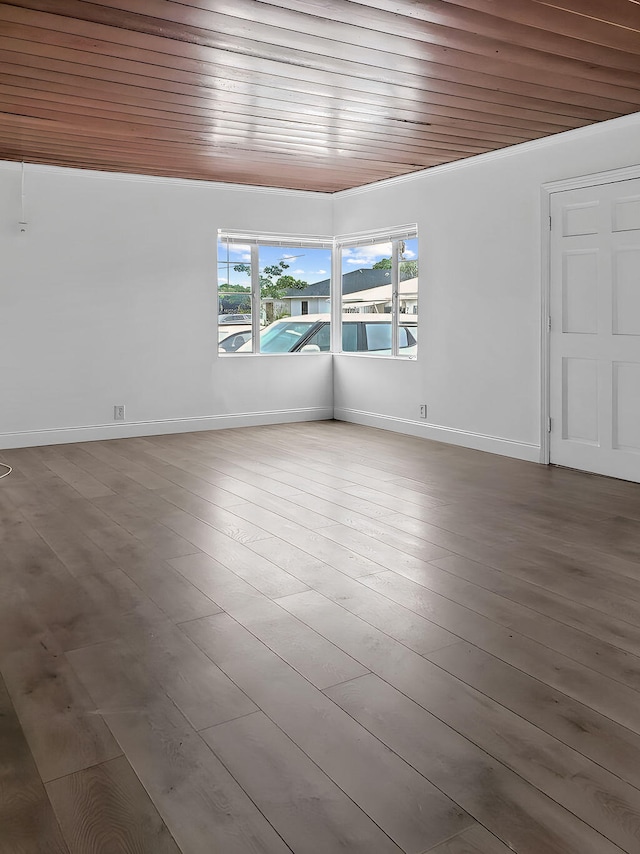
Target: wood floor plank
{"x":201,"y":804}
{"x":227,"y":521}
{"x":499,"y":799}
{"x":38,"y":484}
{"x":27,"y":822}
{"x":308,"y":810}
{"x":55,"y":712}
{"x":569,"y":778}
{"x":567,"y":570}
{"x":80,"y":480}
{"x":117,"y":481}
{"x":76,"y":610}
{"x":105,"y":808}
{"x":173,"y":475}
{"x":99,"y":607}
{"x":286,"y":472}
{"x":201,"y":691}
{"x":410,"y":811}
{"x":610,"y":745}
{"x":161,"y":540}
{"x":309,"y":653}
{"x":109,"y":452}
{"x":335,"y":554}
{"x":417,"y":504}
{"x":475,"y":840}
{"x":601,"y":694}
{"x":341,"y":498}
{"x":549,"y":549}
{"x":219,"y":583}
{"x":259,"y":572}
{"x":565,"y":639}
{"x":404,"y":625}
{"x":280,"y":515}
{"x":589,"y":620}
{"x":241,"y":479}
{"x":166,"y":588}
{"x":107,"y":535}
{"x":580,"y":579}
{"x":79,"y":554}
{"x":374,"y":528}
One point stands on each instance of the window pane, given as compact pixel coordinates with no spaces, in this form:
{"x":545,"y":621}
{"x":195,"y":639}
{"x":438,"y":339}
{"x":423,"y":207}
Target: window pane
{"x":294,"y":283}
{"x":321,"y":338}
{"x":349,"y":337}
{"x":285,"y":335}
{"x":408,"y":297}
{"x":408,"y":336}
{"x":378,"y":336}
{"x":234,"y":297}
{"x":367,"y":292}
{"x":233,"y":341}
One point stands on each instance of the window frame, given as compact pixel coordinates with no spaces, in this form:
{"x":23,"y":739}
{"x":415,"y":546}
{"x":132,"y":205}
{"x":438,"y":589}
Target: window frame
{"x":336,"y":244}
{"x":255,"y":240}
{"x":395,"y":236}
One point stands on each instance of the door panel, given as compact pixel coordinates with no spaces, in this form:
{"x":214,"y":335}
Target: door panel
{"x":595,"y":329}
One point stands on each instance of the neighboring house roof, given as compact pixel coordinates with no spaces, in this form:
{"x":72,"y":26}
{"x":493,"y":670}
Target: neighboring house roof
{"x":356,"y":280}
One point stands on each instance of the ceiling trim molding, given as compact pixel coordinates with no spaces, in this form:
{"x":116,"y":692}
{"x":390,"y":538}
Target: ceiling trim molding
{"x":625,"y":173}
{"x":134,"y":177}
{"x":490,"y":156}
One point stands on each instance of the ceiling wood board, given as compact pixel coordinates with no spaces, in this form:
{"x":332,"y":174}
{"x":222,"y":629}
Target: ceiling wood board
{"x":317,"y":95}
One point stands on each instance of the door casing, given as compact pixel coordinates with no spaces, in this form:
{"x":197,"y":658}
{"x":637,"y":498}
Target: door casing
{"x":628,"y":173}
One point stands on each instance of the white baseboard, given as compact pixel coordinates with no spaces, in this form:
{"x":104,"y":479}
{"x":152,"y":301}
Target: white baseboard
{"x":464,"y":438}
{"x":128,"y":429}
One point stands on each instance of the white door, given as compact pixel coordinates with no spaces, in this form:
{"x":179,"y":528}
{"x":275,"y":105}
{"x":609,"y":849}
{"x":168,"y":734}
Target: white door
{"x":595,"y":329}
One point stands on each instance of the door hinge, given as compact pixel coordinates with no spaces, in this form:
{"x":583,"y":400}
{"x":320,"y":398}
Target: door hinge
{"x":549,"y":323}
{"x":549,"y":425}
{"x":549,"y":223}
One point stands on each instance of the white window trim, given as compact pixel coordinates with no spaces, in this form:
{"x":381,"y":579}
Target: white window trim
{"x":336,"y":243}
{"x":391,"y":235}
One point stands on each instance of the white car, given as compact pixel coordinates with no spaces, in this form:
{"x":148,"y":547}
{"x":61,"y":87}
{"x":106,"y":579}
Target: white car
{"x":233,"y":339}
{"x":234,"y":318}
{"x":311,"y":333}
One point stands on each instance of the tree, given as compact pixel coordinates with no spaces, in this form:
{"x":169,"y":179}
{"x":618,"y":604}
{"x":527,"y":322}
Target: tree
{"x":234,"y":298}
{"x":273,"y":283}
{"x":408,"y":269}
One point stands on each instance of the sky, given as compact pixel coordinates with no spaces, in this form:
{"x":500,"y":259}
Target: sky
{"x":309,"y":265}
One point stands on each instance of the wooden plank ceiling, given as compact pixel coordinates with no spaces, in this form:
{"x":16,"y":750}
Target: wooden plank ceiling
{"x":309,"y":94}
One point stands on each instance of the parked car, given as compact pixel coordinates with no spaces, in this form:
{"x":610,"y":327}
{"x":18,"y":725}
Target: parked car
{"x":231,"y":342}
{"x":234,"y":318}
{"x":310,"y":333}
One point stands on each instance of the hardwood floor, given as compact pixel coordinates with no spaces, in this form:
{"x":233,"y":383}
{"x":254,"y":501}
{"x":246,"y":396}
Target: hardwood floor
{"x":315,"y":638}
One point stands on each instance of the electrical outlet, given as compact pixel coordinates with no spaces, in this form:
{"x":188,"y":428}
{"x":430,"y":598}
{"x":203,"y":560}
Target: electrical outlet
{"x":118,"y":413}
{"x":423,"y":410}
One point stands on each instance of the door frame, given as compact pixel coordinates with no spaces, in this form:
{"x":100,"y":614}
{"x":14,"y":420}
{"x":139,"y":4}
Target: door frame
{"x":628,"y":173}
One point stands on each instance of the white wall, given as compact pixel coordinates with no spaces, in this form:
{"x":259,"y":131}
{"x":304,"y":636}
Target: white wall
{"x":110,"y":298}
{"x":479,"y":225}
